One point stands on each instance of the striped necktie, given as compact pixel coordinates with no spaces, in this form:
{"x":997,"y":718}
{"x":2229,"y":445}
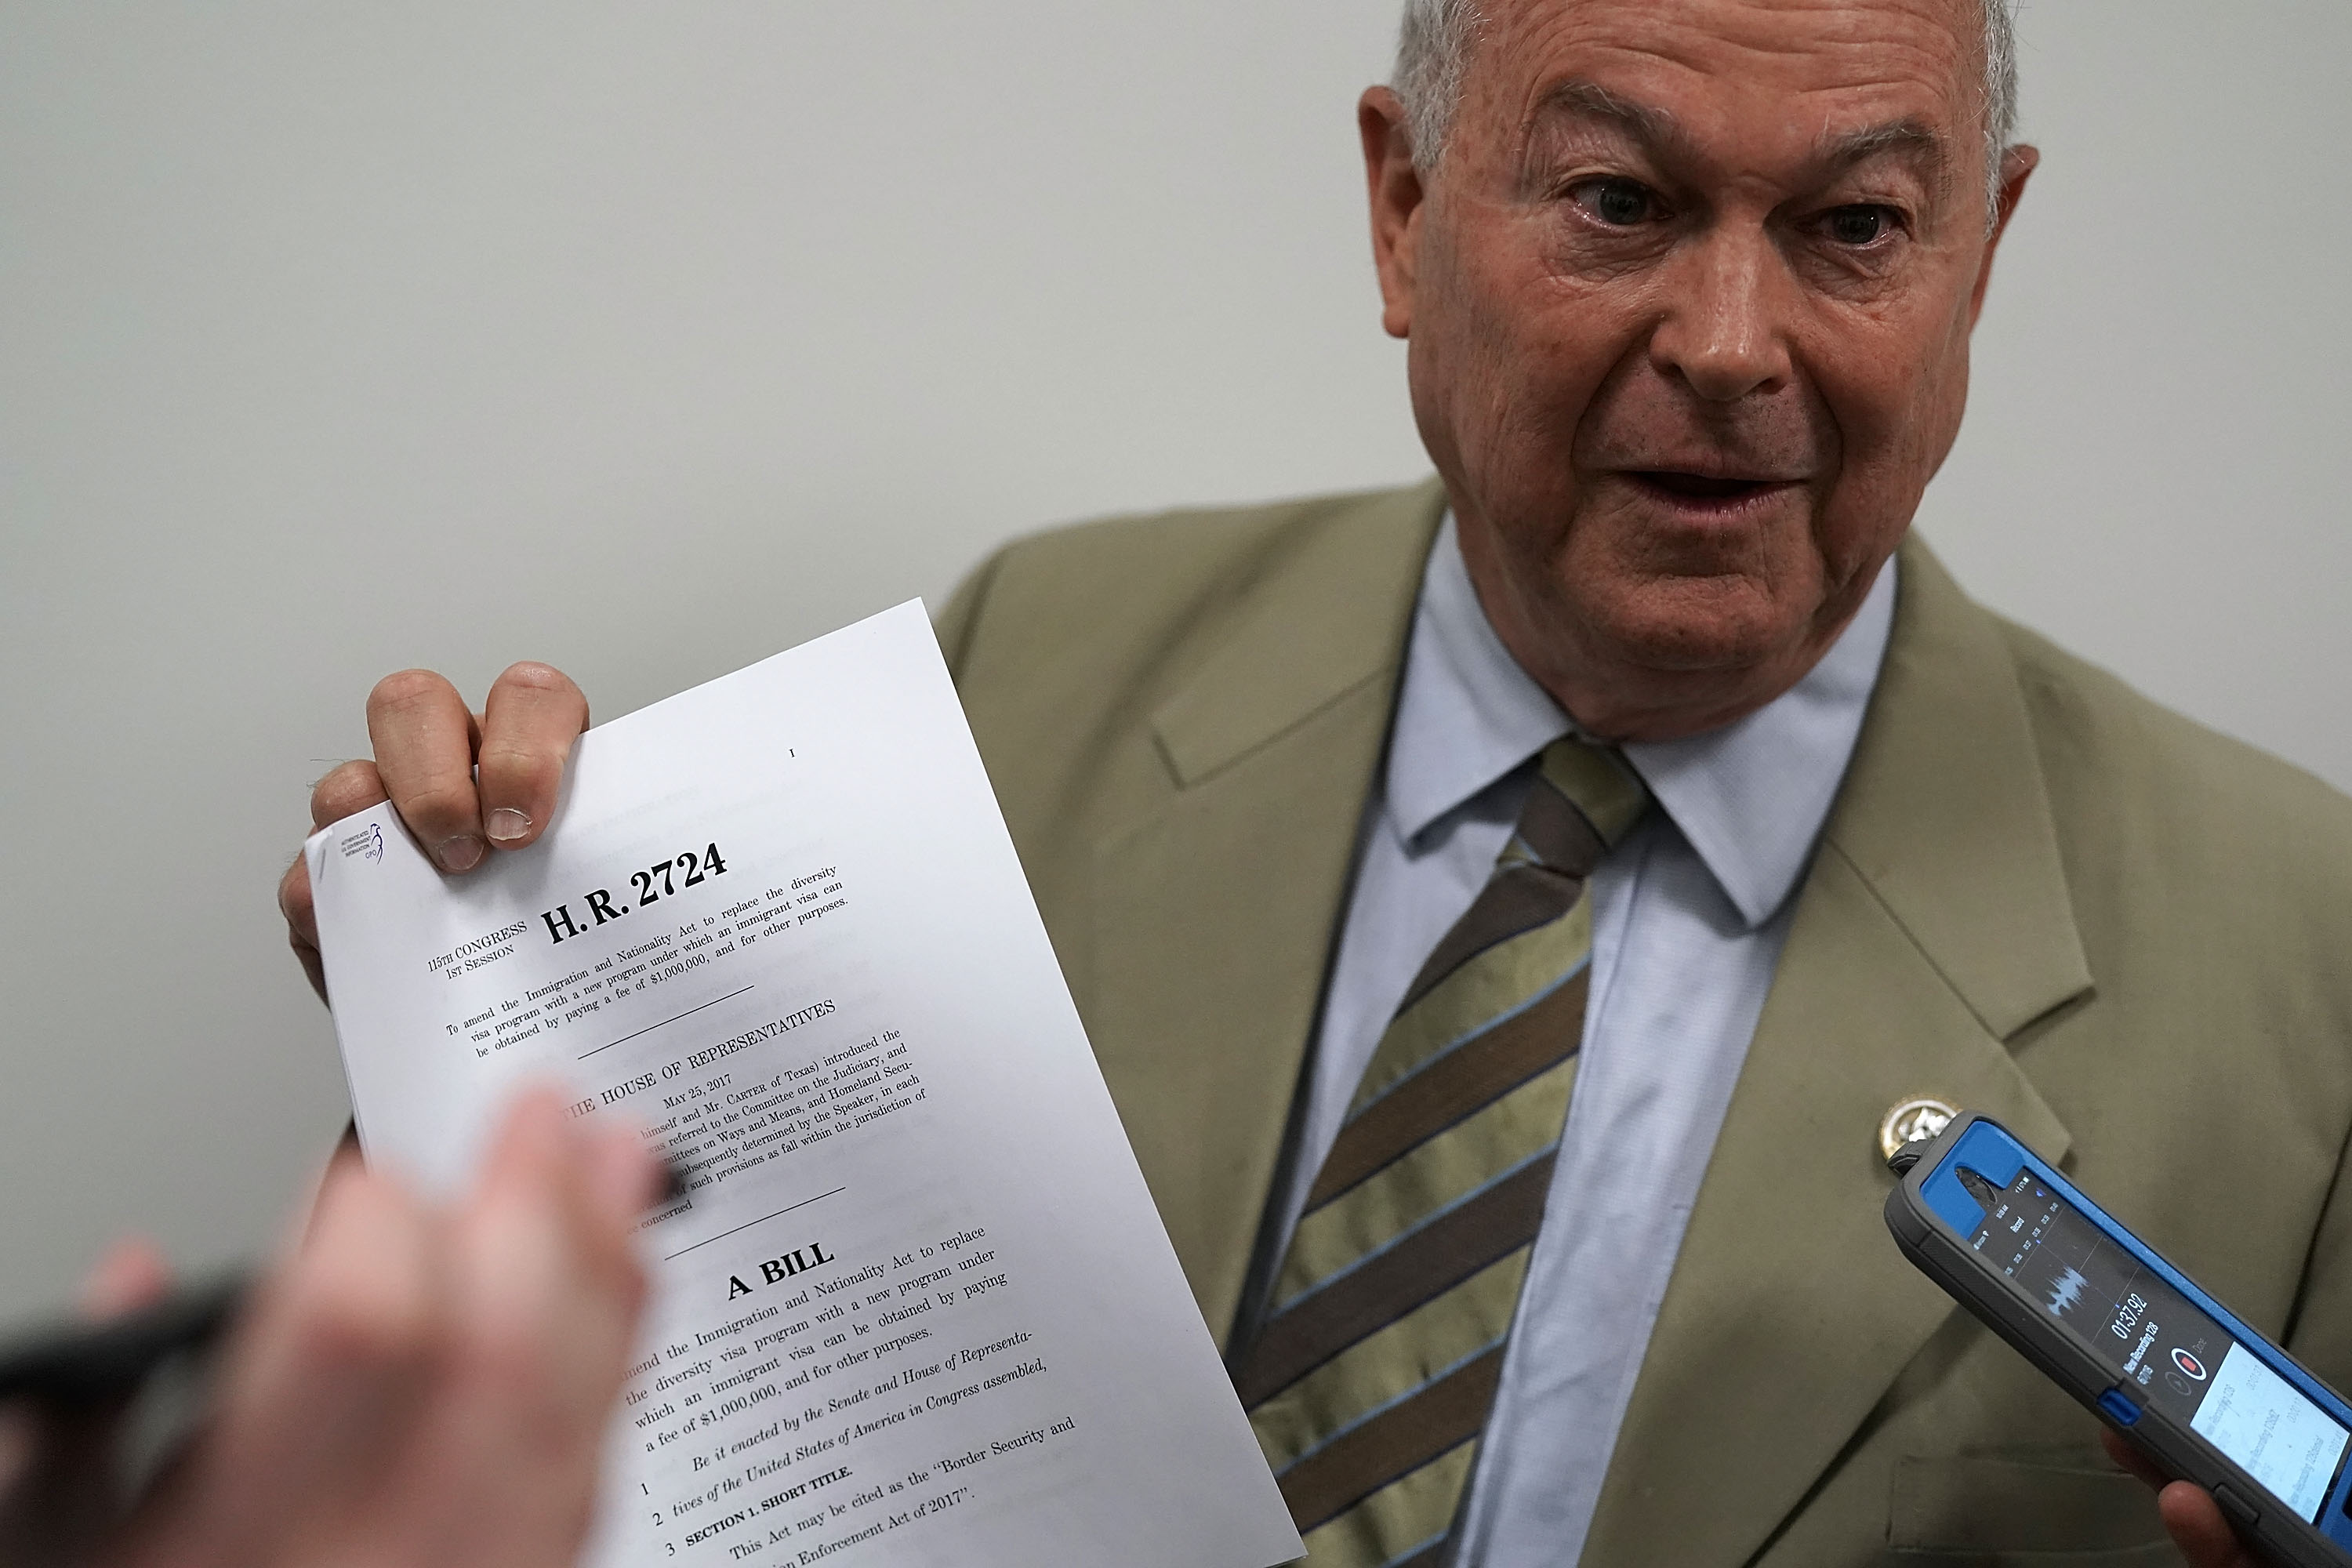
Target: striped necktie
{"x":1373,"y":1371}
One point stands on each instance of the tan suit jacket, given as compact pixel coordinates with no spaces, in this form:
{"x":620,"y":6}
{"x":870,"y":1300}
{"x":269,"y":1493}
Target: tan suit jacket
{"x":2039,"y":896}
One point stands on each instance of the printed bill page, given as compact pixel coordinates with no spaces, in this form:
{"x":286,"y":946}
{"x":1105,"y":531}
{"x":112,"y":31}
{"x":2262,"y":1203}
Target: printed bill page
{"x":915,"y":1306}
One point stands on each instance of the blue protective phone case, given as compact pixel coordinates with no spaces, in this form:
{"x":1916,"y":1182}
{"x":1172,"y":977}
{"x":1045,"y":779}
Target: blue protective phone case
{"x":1932,"y":1213}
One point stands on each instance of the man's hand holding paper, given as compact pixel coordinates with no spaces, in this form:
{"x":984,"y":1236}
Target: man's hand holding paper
{"x":460,"y":781}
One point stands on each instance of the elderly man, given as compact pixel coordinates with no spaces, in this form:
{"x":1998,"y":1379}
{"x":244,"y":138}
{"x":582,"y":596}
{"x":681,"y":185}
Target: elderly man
{"x":1510,"y":913}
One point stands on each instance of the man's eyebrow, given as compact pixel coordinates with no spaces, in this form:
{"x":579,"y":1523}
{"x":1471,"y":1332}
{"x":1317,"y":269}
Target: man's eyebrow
{"x":1914,"y":141}
{"x":1917,"y":143}
{"x":1589,"y":99}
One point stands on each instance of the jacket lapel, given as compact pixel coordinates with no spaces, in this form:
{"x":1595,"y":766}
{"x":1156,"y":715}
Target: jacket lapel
{"x":1216,"y":906}
{"x":1933,"y":925}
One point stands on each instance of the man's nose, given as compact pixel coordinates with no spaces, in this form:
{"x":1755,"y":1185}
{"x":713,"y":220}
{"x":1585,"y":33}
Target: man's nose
{"x":1723,"y":331}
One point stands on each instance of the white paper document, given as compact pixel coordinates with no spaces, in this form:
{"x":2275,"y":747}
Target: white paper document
{"x":917,"y":1306}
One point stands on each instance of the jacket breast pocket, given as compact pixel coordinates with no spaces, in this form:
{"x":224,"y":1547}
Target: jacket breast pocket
{"x":2064,"y":1507}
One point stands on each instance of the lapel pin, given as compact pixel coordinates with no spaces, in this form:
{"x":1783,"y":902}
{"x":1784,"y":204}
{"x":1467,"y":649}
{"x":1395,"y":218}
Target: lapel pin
{"x":1913,"y":1122}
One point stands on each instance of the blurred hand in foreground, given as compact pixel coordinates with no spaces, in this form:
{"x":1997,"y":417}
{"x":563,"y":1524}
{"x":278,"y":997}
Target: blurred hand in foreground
{"x":411,"y":1385}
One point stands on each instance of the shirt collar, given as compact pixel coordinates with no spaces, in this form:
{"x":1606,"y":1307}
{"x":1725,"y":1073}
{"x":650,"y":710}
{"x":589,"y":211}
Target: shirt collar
{"x":1751,"y":797}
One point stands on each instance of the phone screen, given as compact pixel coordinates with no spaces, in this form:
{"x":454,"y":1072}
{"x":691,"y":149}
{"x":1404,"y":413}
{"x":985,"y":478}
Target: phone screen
{"x":2152,"y":1338}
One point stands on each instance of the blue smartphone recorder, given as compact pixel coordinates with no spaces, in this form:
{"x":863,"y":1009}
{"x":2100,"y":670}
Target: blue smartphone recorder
{"x":2132,"y":1337}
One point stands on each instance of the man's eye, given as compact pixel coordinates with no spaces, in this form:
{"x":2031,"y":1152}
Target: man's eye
{"x":1618,"y":202}
{"x":1860,"y":226}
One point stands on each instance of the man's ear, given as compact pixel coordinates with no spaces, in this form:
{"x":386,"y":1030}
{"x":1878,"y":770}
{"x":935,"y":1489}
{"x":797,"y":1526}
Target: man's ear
{"x":2017,"y":166}
{"x":1394,"y":186}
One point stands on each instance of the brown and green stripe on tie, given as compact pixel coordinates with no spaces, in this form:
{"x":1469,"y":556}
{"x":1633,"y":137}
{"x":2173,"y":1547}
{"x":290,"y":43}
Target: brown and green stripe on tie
{"x":1375,"y":1369}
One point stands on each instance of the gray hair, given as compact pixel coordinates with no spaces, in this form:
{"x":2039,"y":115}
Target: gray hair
{"x":1434,"y":45}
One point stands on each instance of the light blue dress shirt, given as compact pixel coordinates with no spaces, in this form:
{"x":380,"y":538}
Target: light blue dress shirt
{"x":1689,"y":915}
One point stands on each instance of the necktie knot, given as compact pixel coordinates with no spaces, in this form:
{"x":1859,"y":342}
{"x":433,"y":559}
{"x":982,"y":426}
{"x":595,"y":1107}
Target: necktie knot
{"x":1585,"y":798}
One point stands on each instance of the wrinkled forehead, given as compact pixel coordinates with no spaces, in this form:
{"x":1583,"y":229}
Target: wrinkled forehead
{"x":1799,"y":71}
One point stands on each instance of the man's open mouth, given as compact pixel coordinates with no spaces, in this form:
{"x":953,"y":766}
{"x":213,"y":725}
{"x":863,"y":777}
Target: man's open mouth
{"x":1702,"y":488}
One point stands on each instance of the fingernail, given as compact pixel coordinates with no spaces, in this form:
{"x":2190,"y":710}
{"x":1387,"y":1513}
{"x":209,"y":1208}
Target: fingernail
{"x":507,"y":825}
{"x":460,"y":852}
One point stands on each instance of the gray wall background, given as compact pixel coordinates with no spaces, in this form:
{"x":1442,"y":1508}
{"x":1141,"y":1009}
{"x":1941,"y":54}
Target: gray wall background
{"x":649,"y":340}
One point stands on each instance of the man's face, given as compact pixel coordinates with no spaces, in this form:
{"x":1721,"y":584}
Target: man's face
{"x":1689,"y":297}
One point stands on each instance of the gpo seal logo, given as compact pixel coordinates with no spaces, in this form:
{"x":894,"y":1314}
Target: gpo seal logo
{"x":2188,"y":1364}
{"x":368,"y":843}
